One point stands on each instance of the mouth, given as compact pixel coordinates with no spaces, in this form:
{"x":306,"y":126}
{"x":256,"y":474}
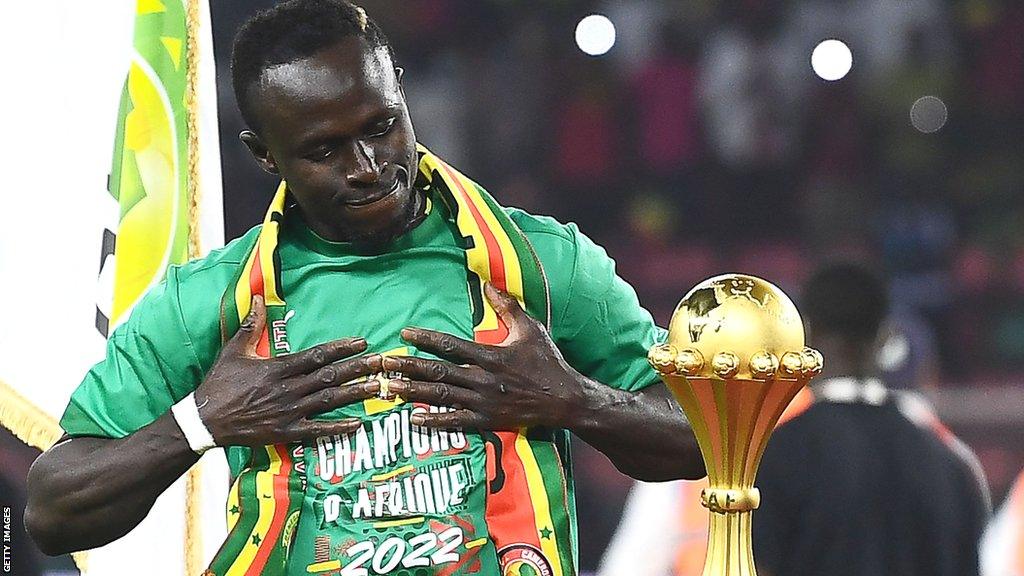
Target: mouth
{"x":371,"y":200}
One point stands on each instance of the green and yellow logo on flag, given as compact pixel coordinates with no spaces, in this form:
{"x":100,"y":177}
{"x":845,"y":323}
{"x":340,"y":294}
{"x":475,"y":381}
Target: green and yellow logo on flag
{"x":149,"y":178}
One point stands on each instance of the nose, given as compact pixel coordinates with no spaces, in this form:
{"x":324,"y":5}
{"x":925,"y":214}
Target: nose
{"x":362,"y":171}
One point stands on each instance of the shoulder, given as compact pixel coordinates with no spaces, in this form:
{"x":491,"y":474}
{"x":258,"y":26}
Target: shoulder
{"x":218,"y":263}
{"x":552,"y":239}
{"x":578,"y":270}
{"x":571,"y":260}
{"x":534,"y":224}
{"x":811,"y":432}
{"x":191,"y":294}
{"x":557,"y":247}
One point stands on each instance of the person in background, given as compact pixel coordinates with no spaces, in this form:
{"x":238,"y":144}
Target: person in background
{"x":858,"y":479}
{"x":1002,"y":546}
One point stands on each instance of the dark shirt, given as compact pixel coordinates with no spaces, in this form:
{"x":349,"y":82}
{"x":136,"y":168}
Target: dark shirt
{"x":854,"y":489}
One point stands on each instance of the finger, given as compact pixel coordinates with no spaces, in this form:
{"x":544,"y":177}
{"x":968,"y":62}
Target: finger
{"x":506,"y":305}
{"x":244,"y":342}
{"x":434,"y":393}
{"x":447,"y":346}
{"x":449,"y":420}
{"x":337,"y":397}
{"x":339,"y":374}
{"x":321,"y":355}
{"x":432,"y":370}
{"x":306,"y":429}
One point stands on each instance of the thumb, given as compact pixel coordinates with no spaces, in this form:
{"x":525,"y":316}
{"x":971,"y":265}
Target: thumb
{"x":251,"y":329}
{"x":504,"y":304}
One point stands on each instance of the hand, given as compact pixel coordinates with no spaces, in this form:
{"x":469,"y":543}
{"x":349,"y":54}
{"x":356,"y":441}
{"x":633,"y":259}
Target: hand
{"x":523,"y":382}
{"x":246,"y":400}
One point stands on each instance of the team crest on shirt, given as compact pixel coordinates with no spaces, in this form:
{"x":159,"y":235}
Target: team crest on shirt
{"x":523,"y":560}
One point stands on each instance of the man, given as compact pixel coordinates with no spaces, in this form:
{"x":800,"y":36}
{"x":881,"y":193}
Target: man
{"x":387,"y":402}
{"x":856,"y":480}
{"x":865,"y":481}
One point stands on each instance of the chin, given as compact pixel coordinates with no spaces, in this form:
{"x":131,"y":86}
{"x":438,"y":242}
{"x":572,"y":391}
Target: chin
{"x":390,"y":224}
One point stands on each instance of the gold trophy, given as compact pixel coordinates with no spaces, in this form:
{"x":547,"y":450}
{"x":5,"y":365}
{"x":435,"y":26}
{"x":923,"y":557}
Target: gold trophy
{"x":734,"y":359}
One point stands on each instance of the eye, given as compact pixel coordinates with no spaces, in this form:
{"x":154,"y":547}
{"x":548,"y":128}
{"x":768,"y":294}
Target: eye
{"x":320,"y":154}
{"x":382,"y":128}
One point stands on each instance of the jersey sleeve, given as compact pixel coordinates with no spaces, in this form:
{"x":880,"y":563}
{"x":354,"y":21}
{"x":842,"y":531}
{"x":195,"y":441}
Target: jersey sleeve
{"x":150,"y":364}
{"x":596,"y":318}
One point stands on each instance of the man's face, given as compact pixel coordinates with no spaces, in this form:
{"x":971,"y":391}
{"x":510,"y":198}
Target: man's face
{"x":335,"y":126}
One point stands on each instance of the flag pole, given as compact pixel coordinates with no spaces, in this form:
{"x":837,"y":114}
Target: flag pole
{"x":194,"y":557}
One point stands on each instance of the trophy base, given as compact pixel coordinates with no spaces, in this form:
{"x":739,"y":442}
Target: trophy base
{"x":730,"y":552}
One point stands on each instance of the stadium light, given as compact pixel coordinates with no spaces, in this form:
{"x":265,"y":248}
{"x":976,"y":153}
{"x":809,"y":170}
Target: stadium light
{"x":595,"y":35}
{"x":928,"y":114}
{"x":831,"y":60}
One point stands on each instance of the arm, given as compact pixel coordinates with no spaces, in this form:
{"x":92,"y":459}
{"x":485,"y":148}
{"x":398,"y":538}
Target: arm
{"x":85,"y":492}
{"x":525,"y":382}
{"x":644,"y":434}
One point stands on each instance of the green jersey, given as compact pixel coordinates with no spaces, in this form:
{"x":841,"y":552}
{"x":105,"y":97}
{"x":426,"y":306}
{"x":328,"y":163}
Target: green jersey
{"x":391,"y":496}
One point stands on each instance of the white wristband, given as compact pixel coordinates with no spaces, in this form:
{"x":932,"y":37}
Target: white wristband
{"x":186,"y":414}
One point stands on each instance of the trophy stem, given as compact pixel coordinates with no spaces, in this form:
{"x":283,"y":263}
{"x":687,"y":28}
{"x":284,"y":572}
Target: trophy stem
{"x":730,"y":552}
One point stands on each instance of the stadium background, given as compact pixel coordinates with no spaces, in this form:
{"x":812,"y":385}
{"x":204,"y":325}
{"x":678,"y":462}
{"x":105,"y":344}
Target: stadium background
{"x":702,"y":142}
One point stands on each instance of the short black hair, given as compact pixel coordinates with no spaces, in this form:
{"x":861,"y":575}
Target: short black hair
{"x":846,"y":300}
{"x":291,"y":31}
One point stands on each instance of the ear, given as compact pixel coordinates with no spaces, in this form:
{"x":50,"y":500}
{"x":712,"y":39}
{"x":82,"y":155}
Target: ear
{"x":259,"y":151}
{"x":399,"y":74}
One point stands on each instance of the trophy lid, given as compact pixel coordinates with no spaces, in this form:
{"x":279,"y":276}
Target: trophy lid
{"x":737,"y":327}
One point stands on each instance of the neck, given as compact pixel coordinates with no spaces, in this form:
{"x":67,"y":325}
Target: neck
{"x":846,"y":359}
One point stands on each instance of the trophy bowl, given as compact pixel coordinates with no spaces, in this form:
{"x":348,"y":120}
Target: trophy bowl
{"x":734,"y":359}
